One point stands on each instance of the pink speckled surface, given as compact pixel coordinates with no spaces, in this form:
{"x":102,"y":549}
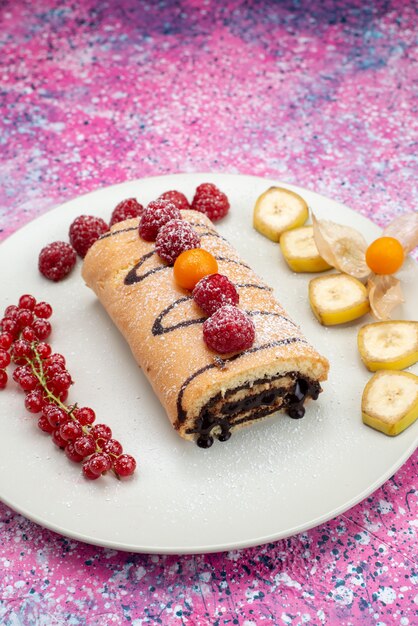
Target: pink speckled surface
{"x":321,"y":96}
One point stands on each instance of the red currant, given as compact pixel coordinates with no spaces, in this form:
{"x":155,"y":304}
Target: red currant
{"x":85,"y":445}
{"x":34,"y":401}
{"x":113,"y":447}
{"x":44,"y":349}
{"x":100,"y":463}
{"x":21,"y":349}
{"x":53,"y":370}
{"x":11,"y":311}
{"x":28,"y":382}
{"x":48,"y":406}
{"x":27,"y":302}
{"x":60,"y":382}
{"x":6,"y":340}
{"x":42,"y":329}
{"x":28,"y":334}
{"x":101,"y":431}
{"x":87,"y":471}
{"x":10,"y":326}
{"x":58,"y":440}
{"x":3,"y":379}
{"x":44,"y":425}
{"x":124,"y":465}
{"x":71,"y":453}
{"x":55,"y":416}
{"x":4,"y":358}
{"x":62,"y":396}
{"x":54,"y":359}
{"x":85,"y":415}
{"x":70,"y":430}
{"x":20,"y":371}
{"x":43,"y":310}
{"x":24,"y":318}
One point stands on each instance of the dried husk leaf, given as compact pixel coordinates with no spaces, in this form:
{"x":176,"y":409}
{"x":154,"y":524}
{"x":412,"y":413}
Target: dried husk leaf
{"x":385,"y":293}
{"x":341,"y":246}
{"x":405,"y":229}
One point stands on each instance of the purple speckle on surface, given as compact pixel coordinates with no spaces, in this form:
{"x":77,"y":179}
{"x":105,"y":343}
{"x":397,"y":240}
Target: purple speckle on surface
{"x":322,"y":95}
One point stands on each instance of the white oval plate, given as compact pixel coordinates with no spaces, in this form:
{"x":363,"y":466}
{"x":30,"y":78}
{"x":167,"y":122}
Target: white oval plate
{"x":267,"y":482}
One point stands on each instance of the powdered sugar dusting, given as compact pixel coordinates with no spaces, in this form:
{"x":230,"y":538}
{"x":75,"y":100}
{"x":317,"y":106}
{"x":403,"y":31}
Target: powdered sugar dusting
{"x":175,"y":237}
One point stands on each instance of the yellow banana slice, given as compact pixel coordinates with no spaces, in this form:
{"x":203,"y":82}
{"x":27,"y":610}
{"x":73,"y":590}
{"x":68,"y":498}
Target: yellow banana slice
{"x":300,"y":252}
{"x":390,"y":401}
{"x":277,"y":210}
{"x":337,"y":298}
{"x":391,"y":345}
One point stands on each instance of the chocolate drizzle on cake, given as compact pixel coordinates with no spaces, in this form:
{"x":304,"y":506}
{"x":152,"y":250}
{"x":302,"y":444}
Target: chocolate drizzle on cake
{"x":159,"y":329}
{"x":132,"y":277}
{"x":116,"y":232}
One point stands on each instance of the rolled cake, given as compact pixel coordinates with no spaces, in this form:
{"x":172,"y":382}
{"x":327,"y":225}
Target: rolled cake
{"x":205,"y":395}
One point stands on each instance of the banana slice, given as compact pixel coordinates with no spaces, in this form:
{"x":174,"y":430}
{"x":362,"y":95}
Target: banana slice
{"x":337,"y":298}
{"x":300,"y":252}
{"x":390,"y":401}
{"x":389,"y":345}
{"x":277,"y":210}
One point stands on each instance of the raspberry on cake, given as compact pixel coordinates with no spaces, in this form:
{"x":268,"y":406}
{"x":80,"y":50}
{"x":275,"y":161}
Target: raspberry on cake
{"x":155,"y":216}
{"x":213,"y":291}
{"x":177,"y":198}
{"x":84,"y":231}
{"x":126,"y":210}
{"x":229,"y":330}
{"x":175,"y":237}
{"x":211,"y":201}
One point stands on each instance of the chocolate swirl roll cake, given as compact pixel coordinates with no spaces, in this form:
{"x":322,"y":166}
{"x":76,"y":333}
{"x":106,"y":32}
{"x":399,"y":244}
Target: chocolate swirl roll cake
{"x":205,"y":395}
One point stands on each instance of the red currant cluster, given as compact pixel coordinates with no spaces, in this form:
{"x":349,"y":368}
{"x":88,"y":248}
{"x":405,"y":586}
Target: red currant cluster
{"x":43,"y":377}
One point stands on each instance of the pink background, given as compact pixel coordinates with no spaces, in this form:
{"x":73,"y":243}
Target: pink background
{"x":322,"y":95}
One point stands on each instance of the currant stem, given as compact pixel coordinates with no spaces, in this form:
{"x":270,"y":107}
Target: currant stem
{"x":40,"y":375}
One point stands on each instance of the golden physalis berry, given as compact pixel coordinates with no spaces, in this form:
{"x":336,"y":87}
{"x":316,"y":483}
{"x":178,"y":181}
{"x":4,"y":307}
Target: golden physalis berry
{"x":385,"y":255}
{"x":192,"y":265}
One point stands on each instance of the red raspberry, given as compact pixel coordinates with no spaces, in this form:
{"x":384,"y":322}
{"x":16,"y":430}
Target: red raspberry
{"x":177,"y":198}
{"x":175,"y":237}
{"x":57,"y":260}
{"x":125,"y":210}
{"x":228,"y":330}
{"x":84,"y":231}
{"x":208,"y":199}
{"x":213,"y":291}
{"x":157,"y":213}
